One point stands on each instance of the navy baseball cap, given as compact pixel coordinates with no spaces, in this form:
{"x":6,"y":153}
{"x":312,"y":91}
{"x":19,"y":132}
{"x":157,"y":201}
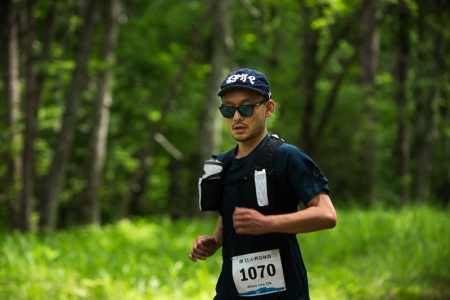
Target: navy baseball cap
{"x":246,"y":79}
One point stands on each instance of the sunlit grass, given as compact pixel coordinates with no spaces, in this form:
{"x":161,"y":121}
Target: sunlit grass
{"x":377,"y":254}
{"x":140,"y":260}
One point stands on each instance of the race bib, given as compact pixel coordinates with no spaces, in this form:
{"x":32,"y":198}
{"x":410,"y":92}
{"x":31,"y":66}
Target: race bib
{"x":258,"y":273}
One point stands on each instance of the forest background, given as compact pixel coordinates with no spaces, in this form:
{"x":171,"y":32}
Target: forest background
{"x":109,"y":108}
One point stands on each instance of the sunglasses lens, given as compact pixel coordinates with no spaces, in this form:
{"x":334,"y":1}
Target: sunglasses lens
{"x":227,"y":111}
{"x":245,"y":110}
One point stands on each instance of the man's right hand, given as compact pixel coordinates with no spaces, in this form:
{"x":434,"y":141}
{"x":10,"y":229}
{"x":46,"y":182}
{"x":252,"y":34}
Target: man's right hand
{"x":203,"y":247}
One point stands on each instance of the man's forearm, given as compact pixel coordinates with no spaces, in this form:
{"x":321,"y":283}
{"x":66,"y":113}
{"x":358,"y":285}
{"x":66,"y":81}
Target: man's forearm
{"x":319,"y":215}
{"x":217,"y":235}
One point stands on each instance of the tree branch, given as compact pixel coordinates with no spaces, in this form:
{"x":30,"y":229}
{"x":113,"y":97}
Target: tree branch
{"x":341,"y":34}
{"x":173,"y":90}
{"x":332,"y":97}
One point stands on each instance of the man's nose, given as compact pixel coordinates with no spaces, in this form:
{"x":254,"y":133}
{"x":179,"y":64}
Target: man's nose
{"x":237,"y":115}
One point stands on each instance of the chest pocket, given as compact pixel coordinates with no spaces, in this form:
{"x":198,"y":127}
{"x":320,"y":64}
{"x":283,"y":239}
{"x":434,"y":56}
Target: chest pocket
{"x":263,"y":189}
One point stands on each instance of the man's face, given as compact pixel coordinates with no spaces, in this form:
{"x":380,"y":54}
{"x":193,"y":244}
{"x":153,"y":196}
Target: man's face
{"x":246,"y":129}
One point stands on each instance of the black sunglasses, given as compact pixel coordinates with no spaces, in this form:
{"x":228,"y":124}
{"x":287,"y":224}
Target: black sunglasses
{"x":244,"y":110}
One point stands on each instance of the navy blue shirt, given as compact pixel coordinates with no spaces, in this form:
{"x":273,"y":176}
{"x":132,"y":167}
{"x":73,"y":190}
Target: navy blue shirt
{"x":297,"y":178}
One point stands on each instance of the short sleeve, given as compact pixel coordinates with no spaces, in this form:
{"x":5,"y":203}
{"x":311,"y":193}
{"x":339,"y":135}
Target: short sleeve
{"x":298,"y":175}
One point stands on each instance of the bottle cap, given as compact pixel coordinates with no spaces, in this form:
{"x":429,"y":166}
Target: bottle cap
{"x":213,"y":161}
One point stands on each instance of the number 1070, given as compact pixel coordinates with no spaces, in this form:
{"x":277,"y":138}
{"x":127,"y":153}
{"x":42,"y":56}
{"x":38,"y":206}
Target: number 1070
{"x":252,"y":273}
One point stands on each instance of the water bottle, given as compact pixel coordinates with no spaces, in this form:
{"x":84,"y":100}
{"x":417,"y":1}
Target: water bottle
{"x":212,"y":166}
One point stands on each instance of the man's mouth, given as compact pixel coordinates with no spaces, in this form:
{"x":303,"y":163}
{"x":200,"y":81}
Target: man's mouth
{"x":239,"y":128}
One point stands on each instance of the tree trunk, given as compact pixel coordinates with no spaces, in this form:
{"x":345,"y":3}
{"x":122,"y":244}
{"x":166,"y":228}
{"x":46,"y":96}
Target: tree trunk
{"x":222,"y":47}
{"x":403,"y":141}
{"x":33,"y":87}
{"x":309,"y":76}
{"x":369,"y":57}
{"x":30,"y":117}
{"x":331,"y":101}
{"x":445,"y":115}
{"x":312,"y":66}
{"x":55,"y":177}
{"x":420,"y":92}
{"x":11,"y":94}
{"x":429,"y":134}
{"x":90,"y":204}
{"x":135,"y":179}
{"x":178,"y":208}
{"x":209,"y":127}
{"x":276,"y":48}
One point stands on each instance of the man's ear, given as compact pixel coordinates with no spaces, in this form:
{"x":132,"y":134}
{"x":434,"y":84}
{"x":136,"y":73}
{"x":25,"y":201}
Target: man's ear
{"x":270,"y":107}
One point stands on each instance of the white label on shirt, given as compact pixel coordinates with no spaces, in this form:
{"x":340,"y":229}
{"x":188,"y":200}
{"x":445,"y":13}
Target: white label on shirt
{"x":200,"y":193}
{"x":258,"y":273}
{"x":261,"y":187}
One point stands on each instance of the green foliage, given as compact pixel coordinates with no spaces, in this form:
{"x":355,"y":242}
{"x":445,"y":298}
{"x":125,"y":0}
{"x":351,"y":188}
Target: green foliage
{"x":375,"y":254}
{"x":381,"y":254}
{"x":268,"y":35}
{"x":139,"y":260}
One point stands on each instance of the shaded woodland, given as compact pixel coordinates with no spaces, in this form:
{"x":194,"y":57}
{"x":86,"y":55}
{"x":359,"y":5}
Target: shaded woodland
{"x":109,"y":107}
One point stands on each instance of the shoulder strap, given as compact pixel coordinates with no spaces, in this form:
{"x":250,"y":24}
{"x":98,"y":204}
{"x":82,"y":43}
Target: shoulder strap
{"x":226,"y":158}
{"x":266,"y":158}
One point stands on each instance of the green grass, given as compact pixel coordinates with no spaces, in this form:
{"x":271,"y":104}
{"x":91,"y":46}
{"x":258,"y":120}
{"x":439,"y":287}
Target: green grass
{"x":376,"y":254}
{"x":381,"y":254}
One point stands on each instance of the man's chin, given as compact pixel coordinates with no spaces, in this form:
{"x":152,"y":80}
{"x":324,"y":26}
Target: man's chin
{"x":238,"y":137}
{"x":241,"y":138}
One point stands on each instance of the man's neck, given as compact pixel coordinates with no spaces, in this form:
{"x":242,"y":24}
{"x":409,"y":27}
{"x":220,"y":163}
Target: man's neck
{"x":245,"y":148}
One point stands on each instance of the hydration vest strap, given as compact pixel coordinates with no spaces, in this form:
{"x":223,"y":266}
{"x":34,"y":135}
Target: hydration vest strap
{"x":266,"y":158}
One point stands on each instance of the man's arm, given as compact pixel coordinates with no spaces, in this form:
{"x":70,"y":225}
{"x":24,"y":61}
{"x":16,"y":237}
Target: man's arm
{"x":217,"y":235}
{"x":205,"y":246}
{"x":319,"y":214}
